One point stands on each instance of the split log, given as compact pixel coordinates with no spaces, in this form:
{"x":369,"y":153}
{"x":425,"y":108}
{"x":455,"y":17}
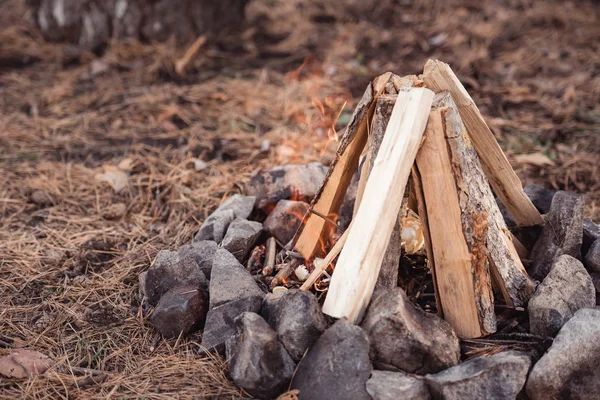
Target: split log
{"x":328,"y":200}
{"x":506,"y":184}
{"x":358,"y":266}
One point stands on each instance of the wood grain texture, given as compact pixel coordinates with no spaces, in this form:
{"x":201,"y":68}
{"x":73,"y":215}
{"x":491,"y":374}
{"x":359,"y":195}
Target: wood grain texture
{"x":358,"y":266}
{"x":438,"y":76}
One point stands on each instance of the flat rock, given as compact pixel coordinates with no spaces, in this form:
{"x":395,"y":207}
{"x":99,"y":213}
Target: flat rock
{"x":215,"y":226}
{"x":567,"y":288}
{"x":497,"y":377}
{"x":592,"y":258}
{"x":220,"y":326}
{"x":569,"y":370}
{"x":170,"y":270}
{"x":386,"y":385}
{"x":241,"y":237}
{"x":405,"y":337}
{"x":230,"y":280}
{"x":202,"y":253}
{"x":297,"y":318}
{"x":591,"y":233}
{"x":287,"y":182}
{"x":285,"y":219}
{"x":241,"y":206}
{"x":337,"y":367}
{"x":181,"y":310}
{"x":562,"y":233}
{"x":259,"y":363}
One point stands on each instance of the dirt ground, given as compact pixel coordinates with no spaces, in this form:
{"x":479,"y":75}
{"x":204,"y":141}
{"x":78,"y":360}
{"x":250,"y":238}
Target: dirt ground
{"x":101,"y":161}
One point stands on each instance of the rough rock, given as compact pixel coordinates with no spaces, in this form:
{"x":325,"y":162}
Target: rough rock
{"x":259,"y":363}
{"x":569,"y":370}
{"x":202,"y":253}
{"x":181,"y":310}
{"x":241,"y":237}
{"x":285,"y":219}
{"x":170,"y":270}
{"x":230,"y":280}
{"x":596,"y":281}
{"x":219,"y":326}
{"x":562,"y":233}
{"x":539,"y":196}
{"x":297,"y":318}
{"x":567,"y":288}
{"x":215,"y":226}
{"x":337,"y":367}
{"x":592,"y":258}
{"x":287,"y":182}
{"x":497,"y":377}
{"x":241,"y":206}
{"x":591,"y":233}
{"x":405,"y":337}
{"x":386,"y":385}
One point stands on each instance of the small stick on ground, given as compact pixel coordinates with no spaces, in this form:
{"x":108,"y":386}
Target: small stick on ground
{"x":322,"y":265}
{"x":270,"y":259}
{"x":284,"y":272}
{"x":191,"y":53}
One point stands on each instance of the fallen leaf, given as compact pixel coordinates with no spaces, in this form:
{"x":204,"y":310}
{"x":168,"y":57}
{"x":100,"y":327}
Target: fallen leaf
{"x":291,"y":395}
{"x":24,"y":364}
{"x":537,"y":159}
{"x":115,"y":177}
{"x":126,"y":164}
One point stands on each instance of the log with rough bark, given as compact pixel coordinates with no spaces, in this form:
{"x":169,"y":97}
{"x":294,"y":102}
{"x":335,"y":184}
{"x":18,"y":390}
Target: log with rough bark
{"x":438,"y":76}
{"x":358,"y":266}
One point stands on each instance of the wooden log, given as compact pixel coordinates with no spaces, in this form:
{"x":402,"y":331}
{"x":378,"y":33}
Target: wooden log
{"x":468,"y":308}
{"x":479,"y":207}
{"x":358,"y":266}
{"x":506,"y":184}
{"x":328,"y":200}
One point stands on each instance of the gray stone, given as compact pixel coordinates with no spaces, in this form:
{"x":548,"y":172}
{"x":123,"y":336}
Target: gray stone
{"x":404,"y":337}
{"x":569,"y":370}
{"x":567,"y":288}
{"x":562,"y":233}
{"x":297,"y":318}
{"x":337,"y":367}
{"x":181,"y":310}
{"x":592,"y":258}
{"x":285,"y":219}
{"x":287,"y":182}
{"x":596,"y":281}
{"x":497,"y":377}
{"x":230,"y":280}
{"x":259,"y":363}
{"x":241,"y":206}
{"x":215,"y":226}
{"x":170,"y":270}
{"x":241,"y":237}
{"x":347,"y":208}
{"x":202,"y":252}
{"x":386,"y":385}
{"x":591,"y":233}
{"x":220,"y":324}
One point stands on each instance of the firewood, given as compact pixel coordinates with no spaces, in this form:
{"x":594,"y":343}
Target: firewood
{"x":358,"y":266}
{"x":329,"y":198}
{"x":506,"y":184}
{"x":191,"y":53}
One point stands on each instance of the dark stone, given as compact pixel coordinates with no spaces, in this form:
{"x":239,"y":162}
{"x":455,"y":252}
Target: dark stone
{"x":230,"y":280}
{"x":285,"y":219}
{"x":297,"y":318}
{"x":215,"y":226}
{"x":337,"y":367}
{"x":405,"y":337}
{"x":569,"y":370}
{"x":202,"y":253}
{"x":170,"y":270}
{"x":567,"y":288}
{"x":287,"y":182}
{"x":347,"y":208}
{"x":591,"y":233}
{"x":259,"y":363}
{"x":241,"y":237}
{"x":220,"y":324}
{"x":596,"y":281}
{"x":181,"y":310}
{"x":562,"y":233}
{"x":497,"y":377}
{"x":592,"y":257}
{"x":386,"y":385}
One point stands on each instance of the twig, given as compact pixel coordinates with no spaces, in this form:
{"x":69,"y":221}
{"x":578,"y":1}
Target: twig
{"x":285,"y":272}
{"x":322,"y":266}
{"x":325,"y":217}
{"x":271,"y":253}
{"x":182,"y":64}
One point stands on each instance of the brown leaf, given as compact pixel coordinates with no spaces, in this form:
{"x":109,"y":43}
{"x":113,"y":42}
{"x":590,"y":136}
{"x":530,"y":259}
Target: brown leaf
{"x":291,"y":395}
{"x":24,"y":364}
{"x":537,"y":159}
{"x":115,"y":177}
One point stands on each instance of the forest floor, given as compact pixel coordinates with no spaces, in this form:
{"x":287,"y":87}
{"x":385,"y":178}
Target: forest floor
{"x":102,"y":155}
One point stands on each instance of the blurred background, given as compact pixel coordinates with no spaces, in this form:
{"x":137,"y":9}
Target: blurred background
{"x":124,"y":123}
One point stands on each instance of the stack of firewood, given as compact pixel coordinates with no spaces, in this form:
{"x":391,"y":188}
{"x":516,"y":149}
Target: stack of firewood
{"x":426,"y":134}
